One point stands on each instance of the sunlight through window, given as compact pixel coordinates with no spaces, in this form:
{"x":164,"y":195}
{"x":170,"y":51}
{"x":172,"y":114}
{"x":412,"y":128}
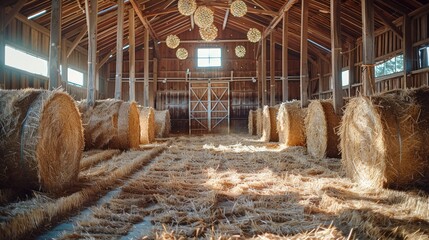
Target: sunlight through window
{"x":24,"y":61}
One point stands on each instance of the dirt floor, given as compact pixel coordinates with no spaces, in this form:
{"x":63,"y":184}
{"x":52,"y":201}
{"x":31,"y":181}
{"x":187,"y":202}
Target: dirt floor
{"x":214,"y":187}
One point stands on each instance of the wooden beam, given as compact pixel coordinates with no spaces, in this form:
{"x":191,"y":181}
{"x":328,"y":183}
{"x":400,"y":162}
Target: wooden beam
{"x":146,"y":69}
{"x":132,"y":54}
{"x":337,"y":61}
{"x":119,"y":51}
{"x":11,"y":15}
{"x":352,"y":61}
{"x":55,"y":45}
{"x":91,"y":19}
{"x":155,"y":80}
{"x":192,"y":21}
{"x":77,"y":40}
{"x":407,"y":45}
{"x":225,"y":20}
{"x":388,"y":21}
{"x":259,"y":76}
{"x":304,"y":54}
{"x":2,"y":50}
{"x":64,"y":63}
{"x":264,"y":71}
{"x":272,"y":71}
{"x":143,"y":19}
{"x":105,"y":59}
{"x":368,"y":60}
{"x":279,"y":17}
{"x":285,"y":69}
{"x":320,"y":75}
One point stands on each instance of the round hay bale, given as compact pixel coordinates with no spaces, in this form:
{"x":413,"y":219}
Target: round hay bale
{"x":128,"y":126}
{"x":269,"y":124}
{"x":162,"y":123}
{"x":321,"y":123}
{"x":251,"y":124}
{"x":41,"y":140}
{"x":259,"y":122}
{"x":147,"y":125}
{"x":290,"y":124}
{"x":383,"y":139}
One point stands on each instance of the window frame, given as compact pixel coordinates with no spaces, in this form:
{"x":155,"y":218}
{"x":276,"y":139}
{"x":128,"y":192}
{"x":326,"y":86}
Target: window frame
{"x":30,"y":53}
{"x":209,"y":66}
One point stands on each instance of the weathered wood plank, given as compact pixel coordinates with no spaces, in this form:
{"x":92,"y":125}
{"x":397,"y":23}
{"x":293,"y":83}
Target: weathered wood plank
{"x":119,"y":51}
{"x":337,"y":61}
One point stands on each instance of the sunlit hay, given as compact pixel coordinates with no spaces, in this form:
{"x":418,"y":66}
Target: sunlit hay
{"x":94,"y":159}
{"x":259,"y":122}
{"x":41,"y":140}
{"x":383,"y":144}
{"x":128,"y":136}
{"x":321,"y":124}
{"x":162,"y":123}
{"x":290,"y":124}
{"x":269,"y":124}
{"x":100,"y":122}
{"x":147,"y":125}
{"x":252,"y":122}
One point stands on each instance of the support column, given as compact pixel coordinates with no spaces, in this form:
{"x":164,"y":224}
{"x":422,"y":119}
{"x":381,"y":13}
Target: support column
{"x":155,"y":81}
{"x":119,"y":51}
{"x":2,"y":46}
{"x":285,"y":69}
{"x":321,"y":73}
{"x":132,"y":55}
{"x":368,"y":74}
{"x":146,"y":69}
{"x":407,"y":50}
{"x":352,"y":61}
{"x":336,"y":62}
{"x":259,"y":83}
{"x":64,"y":63}
{"x":91,"y":16}
{"x":272,"y":71}
{"x":304,"y":54}
{"x":55,"y":45}
{"x":264,"y":71}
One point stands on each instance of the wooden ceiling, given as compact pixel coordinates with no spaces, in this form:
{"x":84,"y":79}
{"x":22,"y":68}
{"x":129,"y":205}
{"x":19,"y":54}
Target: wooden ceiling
{"x":163,"y":17}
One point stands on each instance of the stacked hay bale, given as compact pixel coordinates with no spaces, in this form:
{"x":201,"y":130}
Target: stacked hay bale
{"x":162,"y":123}
{"x":259,"y":122}
{"x":41,"y":140}
{"x":252,"y":122}
{"x":147,"y":125}
{"x":383,"y":139}
{"x":269,"y":124}
{"x":290,"y":124}
{"x":321,"y":123}
{"x":110,"y":123}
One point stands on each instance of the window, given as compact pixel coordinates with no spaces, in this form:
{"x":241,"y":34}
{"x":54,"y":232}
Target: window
{"x":345,"y":77}
{"x":209,"y":57}
{"x":75,"y":77}
{"x":424,"y":57}
{"x":393,"y":65}
{"x":24,"y":61}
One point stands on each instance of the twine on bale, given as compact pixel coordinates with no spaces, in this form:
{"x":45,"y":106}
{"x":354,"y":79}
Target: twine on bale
{"x":290,"y":124}
{"x":147,"y":125}
{"x":41,"y":140}
{"x":383,"y":139}
{"x":252,"y":122}
{"x":321,"y":123}
{"x":269,"y":124}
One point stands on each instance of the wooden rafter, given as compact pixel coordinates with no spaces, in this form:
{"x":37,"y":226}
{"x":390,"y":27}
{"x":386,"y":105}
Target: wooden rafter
{"x":279,"y":17}
{"x":143,"y":20}
{"x":225,"y":20}
{"x":387,"y":21}
{"x":13,"y":13}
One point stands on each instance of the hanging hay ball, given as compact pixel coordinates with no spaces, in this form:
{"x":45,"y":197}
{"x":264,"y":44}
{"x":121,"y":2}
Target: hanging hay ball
{"x":269,"y":124}
{"x":252,"y":122}
{"x":384,"y":139}
{"x":41,"y":140}
{"x":162,"y":123}
{"x":290,"y":124}
{"x":110,"y":123}
{"x":259,"y":122}
{"x":321,"y":123}
{"x":147,"y":125}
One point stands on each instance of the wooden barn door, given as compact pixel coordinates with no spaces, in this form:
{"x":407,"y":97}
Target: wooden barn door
{"x":209,"y":107}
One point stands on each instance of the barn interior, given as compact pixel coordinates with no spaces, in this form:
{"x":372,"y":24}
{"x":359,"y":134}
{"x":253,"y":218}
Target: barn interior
{"x":207,"y":119}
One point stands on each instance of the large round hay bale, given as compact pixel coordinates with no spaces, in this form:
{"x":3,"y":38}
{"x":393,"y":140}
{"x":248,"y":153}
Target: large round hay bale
{"x":259,"y":122}
{"x":251,"y":122}
{"x":383,"y":139}
{"x":110,"y":123}
{"x":162,"y":123}
{"x":290,"y":124}
{"x":269,"y":124}
{"x":321,"y":123}
{"x":41,"y":140}
{"x":147,"y":125}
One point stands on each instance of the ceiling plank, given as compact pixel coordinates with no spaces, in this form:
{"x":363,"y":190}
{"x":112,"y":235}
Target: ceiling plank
{"x":279,"y":17}
{"x":144,"y":20}
{"x":11,"y":15}
{"x":387,"y":21}
{"x":225,"y":20}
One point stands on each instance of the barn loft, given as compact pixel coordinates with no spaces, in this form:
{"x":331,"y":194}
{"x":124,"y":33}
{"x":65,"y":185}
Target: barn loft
{"x":203,"y":119}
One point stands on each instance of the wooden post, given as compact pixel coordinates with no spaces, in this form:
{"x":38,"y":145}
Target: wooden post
{"x":407,"y":45}
{"x":91,"y":16}
{"x":259,"y":83}
{"x":65,"y":65}
{"x":304,"y":53}
{"x":155,"y":80}
{"x":2,"y":46}
{"x":119,"y":51}
{"x":272,"y":71}
{"x":146,"y":69}
{"x":352,"y":61}
{"x":336,"y":62}
{"x":264,"y":71}
{"x":285,"y":75}
{"x":132,"y":54}
{"x":368,"y":74}
{"x":321,"y":73}
{"x":55,"y":45}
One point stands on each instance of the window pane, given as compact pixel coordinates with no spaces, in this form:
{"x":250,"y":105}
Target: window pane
{"x":24,"y":61}
{"x":379,"y":70}
{"x":209,"y":57}
{"x":203,"y":52}
{"x":215,"y":52}
{"x":399,"y":63}
{"x":203,"y":62}
{"x":215,"y":62}
{"x":75,"y":77}
{"x":345,"y":77}
{"x":390,"y":66}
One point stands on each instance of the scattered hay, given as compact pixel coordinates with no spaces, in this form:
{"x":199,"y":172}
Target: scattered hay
{"x":94,"y":159}
{"x":383,"y":139}
{"x":269,"y":124}
{"x":321,"y":123}
{"x":147,"y":125}
{"x":290,"y":124}
{"x":162,"y":123}
{"x":259,"y":122}
{"x":252,"y":122}
{"x":41,"y":140}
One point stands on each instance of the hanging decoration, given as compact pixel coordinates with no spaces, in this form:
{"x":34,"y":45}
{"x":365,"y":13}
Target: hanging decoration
{"x":172,"y":41}
{"x":203,"y":17}
{"x":209,"y":34}
{"x":238,"y":8}
{"x":254,"y":35}
{"x":240,"y":51}
{"x":182,"y":53}
{"x":187,"y":7}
